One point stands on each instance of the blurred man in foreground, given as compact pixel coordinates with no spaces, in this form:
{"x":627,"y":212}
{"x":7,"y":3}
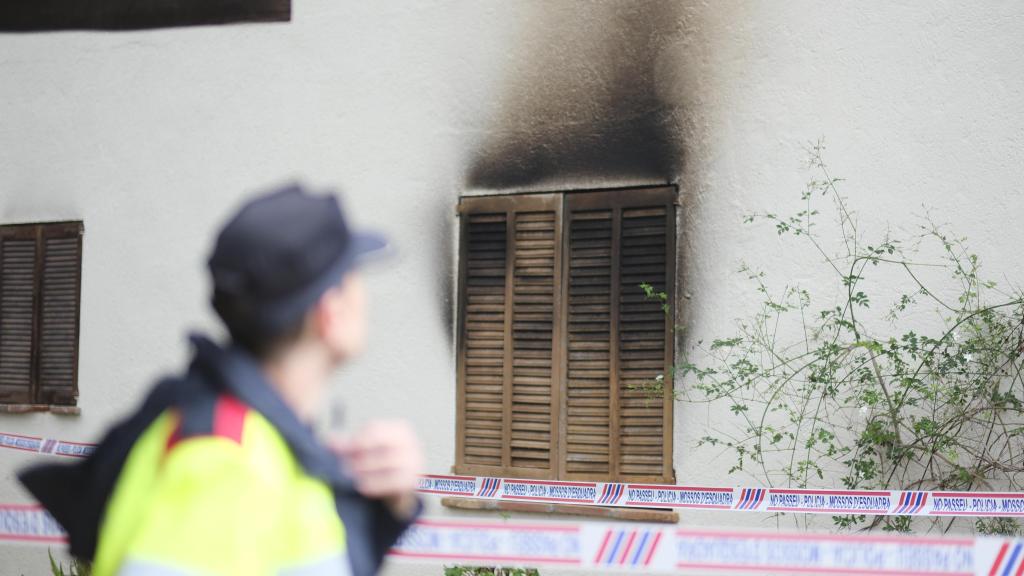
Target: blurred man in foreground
{"x":219,"y":472}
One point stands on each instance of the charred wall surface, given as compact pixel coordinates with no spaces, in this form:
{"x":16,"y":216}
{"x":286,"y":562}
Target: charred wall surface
{"x":579,"y":101}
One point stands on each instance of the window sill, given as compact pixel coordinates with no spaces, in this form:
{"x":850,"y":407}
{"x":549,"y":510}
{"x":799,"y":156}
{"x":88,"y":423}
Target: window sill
{"x":611,"y":513}
{"x":29,"y":408}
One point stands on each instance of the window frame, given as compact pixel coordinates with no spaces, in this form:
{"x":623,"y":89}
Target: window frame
{"x":39,"y":233}
{"x":563,"y":202}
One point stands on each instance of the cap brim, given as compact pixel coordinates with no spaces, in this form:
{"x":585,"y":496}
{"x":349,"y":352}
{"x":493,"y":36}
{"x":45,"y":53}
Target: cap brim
{"x":368,"y":247}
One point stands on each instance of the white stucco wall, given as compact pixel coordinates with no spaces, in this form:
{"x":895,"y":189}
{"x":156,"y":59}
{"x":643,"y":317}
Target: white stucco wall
{"x":151,"y":137}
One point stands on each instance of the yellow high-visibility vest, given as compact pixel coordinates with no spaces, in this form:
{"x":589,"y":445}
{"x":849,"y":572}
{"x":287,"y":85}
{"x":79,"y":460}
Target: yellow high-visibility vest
{"x":218,"y":492}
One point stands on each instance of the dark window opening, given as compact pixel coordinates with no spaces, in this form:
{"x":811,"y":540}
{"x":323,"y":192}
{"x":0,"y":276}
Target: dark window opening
{"x":40,"y":288}
{"x":44,"y":15}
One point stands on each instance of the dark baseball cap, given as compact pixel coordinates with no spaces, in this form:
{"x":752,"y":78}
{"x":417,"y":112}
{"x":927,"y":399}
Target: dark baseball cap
{"x":280,"y":252}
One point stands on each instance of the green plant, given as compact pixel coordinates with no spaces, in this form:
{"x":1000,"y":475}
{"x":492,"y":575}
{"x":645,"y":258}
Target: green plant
{"x":75,"y":568}
{"x":655,"y":388}
{"x":908,"y":376}
{"x":483,"y":571}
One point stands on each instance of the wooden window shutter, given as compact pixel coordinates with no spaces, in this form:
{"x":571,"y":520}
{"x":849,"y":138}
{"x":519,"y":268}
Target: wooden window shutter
{"x":618,"y":341}
{"x":40,"y":284}
{"x":509,"y":370}
{"x":17,"y":313}
{"x":60,"y":253}
{"x":588,"y":403}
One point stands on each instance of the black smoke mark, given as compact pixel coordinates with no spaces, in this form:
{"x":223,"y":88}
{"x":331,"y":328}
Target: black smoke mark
{"x":585,"y":105}
{"x":445,"y":270}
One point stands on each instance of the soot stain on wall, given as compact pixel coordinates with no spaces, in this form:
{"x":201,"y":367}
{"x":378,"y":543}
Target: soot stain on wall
{"x":585,"y":105}
{"x":444,"y":215}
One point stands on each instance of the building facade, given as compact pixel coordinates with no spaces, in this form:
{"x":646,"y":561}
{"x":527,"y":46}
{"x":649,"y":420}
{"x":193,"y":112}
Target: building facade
{"x":149,"y":138}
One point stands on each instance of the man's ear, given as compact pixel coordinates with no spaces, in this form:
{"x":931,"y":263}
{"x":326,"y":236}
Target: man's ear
{"x":329,"y":310}
{"x":321,"y":317}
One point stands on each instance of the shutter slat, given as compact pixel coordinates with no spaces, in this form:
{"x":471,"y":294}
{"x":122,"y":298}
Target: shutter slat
{"x":482,"y":420}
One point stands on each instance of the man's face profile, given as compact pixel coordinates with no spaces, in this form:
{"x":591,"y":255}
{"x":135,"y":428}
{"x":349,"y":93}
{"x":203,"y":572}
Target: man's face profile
{"x":340,"y":318}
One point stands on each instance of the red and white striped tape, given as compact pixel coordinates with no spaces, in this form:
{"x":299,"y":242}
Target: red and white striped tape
{"x":667,"y":549}
{"x":805,"y":501}
{"x":45,"y":445}
{"x":808,"y":501}
{"x":650,"y":548}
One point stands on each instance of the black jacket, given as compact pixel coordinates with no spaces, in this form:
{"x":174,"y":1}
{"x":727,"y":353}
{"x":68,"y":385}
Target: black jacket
{"x":77,"y":494}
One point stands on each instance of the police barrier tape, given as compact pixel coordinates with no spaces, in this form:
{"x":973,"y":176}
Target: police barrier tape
{"x":45,"y":445}
{"x":809,"y":501}
{"x":805,"y":501}
{"x":652,"y":548}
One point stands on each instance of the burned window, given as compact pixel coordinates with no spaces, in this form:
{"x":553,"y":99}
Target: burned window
{"x":40,"y":284}
{"x":563,"y":359}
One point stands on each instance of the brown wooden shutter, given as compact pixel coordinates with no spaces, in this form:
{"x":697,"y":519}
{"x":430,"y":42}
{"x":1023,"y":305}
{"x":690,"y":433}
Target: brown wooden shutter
{"x":645,"y":341}
{"x":557,"y":340}
{"x":40,"y":282}
{"x":588,"y":398}
{"x":17,"y":312}
{"x":617,"y":339}
{"x":59,"y":289}
{"x":509,"y":338}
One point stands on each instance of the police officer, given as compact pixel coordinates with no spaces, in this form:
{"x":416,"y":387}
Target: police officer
{"x":219,"y":472}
